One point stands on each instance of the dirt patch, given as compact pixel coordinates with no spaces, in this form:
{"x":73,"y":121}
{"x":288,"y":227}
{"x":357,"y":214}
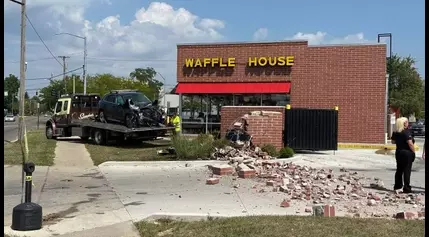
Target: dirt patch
{"x":54,"y":218}
{"x":137,"y":203}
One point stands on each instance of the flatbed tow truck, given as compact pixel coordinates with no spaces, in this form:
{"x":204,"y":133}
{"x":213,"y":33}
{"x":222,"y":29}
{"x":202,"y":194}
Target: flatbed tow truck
{"x":74,"y":115}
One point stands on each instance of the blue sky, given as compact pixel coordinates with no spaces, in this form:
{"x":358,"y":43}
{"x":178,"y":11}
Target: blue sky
{"x":143,"y":30}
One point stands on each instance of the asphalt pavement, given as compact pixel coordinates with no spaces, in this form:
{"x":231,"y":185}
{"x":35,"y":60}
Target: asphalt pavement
{"x":11,"y":128}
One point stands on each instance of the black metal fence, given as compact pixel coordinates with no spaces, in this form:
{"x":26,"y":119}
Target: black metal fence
{"x":311,"y":129}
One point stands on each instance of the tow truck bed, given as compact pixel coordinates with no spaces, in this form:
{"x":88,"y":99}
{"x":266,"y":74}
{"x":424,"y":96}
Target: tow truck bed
{"x":102,"y":132}
{"x":115,"y":127}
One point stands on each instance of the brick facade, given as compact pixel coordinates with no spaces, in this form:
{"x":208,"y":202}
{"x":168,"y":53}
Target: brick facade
{"x":349,"y":76}
{"x":264,"y":129}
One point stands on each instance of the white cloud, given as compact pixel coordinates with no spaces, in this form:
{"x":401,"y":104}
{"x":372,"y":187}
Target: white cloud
{"x":260,"y":34}
{"x":151,"y":37}
{"x":324,"y":38}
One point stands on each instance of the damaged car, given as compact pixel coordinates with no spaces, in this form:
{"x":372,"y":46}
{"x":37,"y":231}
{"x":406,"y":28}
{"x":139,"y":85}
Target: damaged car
{"x":130,"y":108}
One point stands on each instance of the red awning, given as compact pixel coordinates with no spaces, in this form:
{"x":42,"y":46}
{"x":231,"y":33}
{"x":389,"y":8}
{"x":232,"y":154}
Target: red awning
{"x":233,"y":88}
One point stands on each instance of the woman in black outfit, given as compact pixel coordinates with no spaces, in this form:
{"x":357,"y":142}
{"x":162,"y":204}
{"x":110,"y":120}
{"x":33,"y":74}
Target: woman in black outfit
{"x":405,"y":155}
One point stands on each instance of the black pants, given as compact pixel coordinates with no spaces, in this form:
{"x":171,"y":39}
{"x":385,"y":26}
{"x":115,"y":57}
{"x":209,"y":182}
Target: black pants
{"x":404,"y":163}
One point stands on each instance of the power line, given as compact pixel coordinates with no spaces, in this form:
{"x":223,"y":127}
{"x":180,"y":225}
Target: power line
{"x":132,"y":60}
{"x":42,"y":59}
{"x":59,"y":75}
{"x":105,"y":59}
{"x":37,"y":33}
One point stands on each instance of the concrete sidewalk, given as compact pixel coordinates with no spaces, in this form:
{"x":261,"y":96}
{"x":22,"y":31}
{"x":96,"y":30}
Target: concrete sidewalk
{"x":76,"y":198}
{"x":178,"y":188}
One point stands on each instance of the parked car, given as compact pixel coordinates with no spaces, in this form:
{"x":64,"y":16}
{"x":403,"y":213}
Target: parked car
{"x":9,"y":118}
{"x":418,"y":129}
{"x":130,"y":108}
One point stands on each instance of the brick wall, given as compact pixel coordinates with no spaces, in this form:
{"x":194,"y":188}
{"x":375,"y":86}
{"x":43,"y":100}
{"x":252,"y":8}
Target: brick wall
{"x":264,"y":129}
{"x":350,"y":76}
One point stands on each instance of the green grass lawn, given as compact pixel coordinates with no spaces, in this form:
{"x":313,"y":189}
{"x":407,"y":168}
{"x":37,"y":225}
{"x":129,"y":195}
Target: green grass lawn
{"x":41,"y":150}
{"x":281,"y":226}
{"x":145,"y":151}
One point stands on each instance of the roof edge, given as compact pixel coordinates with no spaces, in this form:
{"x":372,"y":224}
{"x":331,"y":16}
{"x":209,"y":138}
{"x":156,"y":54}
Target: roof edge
{"x":346,"y":45}
{"x":242,"y":42}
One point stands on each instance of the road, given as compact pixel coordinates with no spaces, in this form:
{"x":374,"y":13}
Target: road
{"x":11,"y":128}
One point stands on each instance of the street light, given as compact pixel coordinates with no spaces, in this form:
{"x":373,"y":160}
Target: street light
{"x":386,"y":96}
{"x":164,"y":90}
{"x":84,"y":57}
{"x":386,"y":35}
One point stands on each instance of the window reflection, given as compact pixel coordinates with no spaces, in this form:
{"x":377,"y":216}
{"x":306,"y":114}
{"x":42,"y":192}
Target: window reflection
{"x":196,"y":109}
{"x":247,"y":100}
{"x":275,"y":99}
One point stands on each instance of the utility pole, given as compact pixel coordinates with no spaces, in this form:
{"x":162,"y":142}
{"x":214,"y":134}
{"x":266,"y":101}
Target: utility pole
{"x":74,"y":84}
{"x":84,"y":65}
{"x":64,"y":71}
{"x":22,"y":67}
{"x":85,"y":54}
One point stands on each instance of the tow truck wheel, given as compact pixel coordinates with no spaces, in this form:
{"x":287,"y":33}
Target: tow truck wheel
{"x":49,"y":132}
{"x":101,"y":116}
{"x":99,"y":137}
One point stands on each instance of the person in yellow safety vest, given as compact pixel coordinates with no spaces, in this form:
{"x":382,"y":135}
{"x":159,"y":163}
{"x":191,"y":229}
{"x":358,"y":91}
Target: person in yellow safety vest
{"x":176,"y":123}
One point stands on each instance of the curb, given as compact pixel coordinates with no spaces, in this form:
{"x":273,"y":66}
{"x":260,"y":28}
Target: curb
{"x":185,"y":216}
{"x":177,"y":164}
{"x":180,"y":163}
{"x":369,"y":146}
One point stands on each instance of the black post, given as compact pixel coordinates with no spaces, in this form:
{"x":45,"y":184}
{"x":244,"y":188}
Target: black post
{"x":27,"y":216}
{"x":38,"y":115}
{"x":28,"y":181}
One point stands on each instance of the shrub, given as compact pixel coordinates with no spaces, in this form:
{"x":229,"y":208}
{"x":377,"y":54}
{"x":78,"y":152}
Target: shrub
{"x":270,"y":149}
{"x":286,"y":152}
{"x":221,"y":143}
{"x":189,"y":149}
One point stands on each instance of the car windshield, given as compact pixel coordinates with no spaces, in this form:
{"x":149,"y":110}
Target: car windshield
{"x":9,"y":116}
{"x":137,"y":98}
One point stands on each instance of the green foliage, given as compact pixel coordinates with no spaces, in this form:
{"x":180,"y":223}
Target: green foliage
{"x":286,"y":152}
{"x":147,"y":76}
{"x":221,"y":143}
{"x":270,"y":149}
{"x":11,"y":85}
{"x":190,"y":149}
{"x":97,"y":84}
{"x":406,"y":89}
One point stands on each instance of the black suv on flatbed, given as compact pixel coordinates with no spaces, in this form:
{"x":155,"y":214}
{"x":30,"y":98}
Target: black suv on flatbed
{"x":128,"y":107}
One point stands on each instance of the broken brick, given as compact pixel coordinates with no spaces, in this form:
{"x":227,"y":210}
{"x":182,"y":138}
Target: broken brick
{"x":245,"y":174}
{"x":407,"y":215}
{"x":324,"y":210}
{"x":222,"y":170}
{"x":285,"y":203}
{"x":212,"y":181}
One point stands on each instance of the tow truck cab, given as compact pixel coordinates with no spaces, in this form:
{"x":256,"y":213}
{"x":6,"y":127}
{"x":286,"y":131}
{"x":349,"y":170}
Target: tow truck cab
{"x":67,"y":109}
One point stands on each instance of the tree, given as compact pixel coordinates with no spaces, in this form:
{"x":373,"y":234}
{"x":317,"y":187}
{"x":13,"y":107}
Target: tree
{"x":48,"y":99}
{"x":11,"y":86}
{"x":26,"y":96}
{"x":406,"y":89}
{"x":147,"y":76}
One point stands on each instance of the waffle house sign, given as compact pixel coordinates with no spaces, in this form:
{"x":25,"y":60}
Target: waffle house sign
{"x":286,"y":61}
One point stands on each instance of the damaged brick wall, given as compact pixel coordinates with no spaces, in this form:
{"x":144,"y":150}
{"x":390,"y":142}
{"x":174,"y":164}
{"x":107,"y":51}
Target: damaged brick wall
{"x":264,"y":129}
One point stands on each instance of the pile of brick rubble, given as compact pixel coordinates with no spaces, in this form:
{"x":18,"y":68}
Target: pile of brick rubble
{"x":315,"y":186}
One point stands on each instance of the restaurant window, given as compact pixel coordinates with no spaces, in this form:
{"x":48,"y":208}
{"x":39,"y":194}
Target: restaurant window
{"x":247,"y":99}
{"x":197,"y":108}
{"x":275,"y":99}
